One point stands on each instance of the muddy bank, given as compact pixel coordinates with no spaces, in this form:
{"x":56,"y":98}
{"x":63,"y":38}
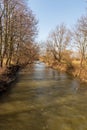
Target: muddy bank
{"x":8,"y":77}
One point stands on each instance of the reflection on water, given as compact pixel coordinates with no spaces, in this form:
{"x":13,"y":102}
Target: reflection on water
{"x":44,"y":99}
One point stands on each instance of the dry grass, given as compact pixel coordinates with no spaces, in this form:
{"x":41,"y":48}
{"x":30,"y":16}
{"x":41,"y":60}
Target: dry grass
{"x":76,"y":62}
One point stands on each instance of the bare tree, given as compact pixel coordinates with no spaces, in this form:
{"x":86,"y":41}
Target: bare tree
{"x":18,"y":29}
{"x":58,"y":41}
{"x":80,"y":38}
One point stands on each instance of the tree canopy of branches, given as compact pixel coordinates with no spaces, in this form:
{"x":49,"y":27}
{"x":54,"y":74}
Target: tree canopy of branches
{"x":18,"y":29}
{"x":58,"y":41}
{"x":80,"y":38}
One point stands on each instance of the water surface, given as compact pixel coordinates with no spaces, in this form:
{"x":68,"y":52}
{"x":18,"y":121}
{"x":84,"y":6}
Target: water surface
{"x":44,"y":99}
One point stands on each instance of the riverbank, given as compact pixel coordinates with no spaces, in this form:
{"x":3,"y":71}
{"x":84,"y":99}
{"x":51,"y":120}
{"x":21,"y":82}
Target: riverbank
{"x":8,"y":76}
{"x":72,"y":69}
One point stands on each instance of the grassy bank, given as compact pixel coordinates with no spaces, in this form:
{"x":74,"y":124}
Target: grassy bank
{"x":73,"y":68}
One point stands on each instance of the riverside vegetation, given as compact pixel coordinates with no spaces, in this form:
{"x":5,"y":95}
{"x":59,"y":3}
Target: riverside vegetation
{"x":72,"y":69}
{"x":18,"y":30}
{"x":66,"y":50}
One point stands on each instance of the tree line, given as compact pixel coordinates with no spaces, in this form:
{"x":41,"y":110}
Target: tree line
{"x":18,"y":30}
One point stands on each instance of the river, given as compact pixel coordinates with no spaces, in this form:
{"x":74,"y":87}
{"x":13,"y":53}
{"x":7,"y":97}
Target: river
{"x":44,"y":99}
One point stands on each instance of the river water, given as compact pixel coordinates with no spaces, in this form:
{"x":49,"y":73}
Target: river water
{"x":44,"y":99}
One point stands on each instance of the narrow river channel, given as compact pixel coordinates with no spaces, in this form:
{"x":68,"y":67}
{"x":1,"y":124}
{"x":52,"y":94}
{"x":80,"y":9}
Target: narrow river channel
{"x":44,"y":99}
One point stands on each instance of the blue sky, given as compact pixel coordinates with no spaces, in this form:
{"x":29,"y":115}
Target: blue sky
{"x":51,"y":13}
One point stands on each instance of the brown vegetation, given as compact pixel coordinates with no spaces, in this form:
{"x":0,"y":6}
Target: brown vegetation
{"x":18,"y":29}
{"x":60,"y":54}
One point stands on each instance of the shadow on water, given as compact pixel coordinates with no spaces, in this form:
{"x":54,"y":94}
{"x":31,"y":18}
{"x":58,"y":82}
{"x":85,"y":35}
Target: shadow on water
{"x":44,"y":99}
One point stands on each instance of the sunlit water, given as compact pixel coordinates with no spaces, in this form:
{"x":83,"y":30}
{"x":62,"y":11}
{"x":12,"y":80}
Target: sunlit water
{"x":44,"y":99}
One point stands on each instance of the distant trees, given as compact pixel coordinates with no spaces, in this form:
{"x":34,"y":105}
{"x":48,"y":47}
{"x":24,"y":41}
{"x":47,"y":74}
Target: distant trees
{"x":18,"y":29}
{"x":58,"y":41}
